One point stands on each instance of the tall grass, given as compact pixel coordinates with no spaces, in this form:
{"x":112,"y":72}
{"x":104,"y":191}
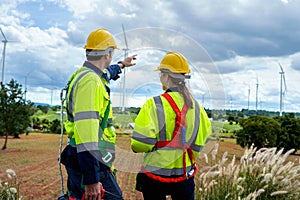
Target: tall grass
{"x":9,"y":190}
{"x":259,"y":174}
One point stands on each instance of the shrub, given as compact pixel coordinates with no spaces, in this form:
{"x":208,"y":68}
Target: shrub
{"x":260,"y":174}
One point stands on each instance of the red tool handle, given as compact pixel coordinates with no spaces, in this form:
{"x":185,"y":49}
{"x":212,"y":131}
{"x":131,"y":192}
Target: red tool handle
{"x":102,"y":193}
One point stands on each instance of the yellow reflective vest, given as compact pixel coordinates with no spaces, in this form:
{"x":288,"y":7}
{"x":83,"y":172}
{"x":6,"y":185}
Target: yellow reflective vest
{"x":156,"y":122}
{"x":88,"y":104}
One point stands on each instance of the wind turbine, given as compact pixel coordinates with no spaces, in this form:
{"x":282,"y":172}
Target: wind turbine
{"x":248,"y":97}
{"x":125,"y":56}
{"x":282,"y":92}
{"x":3,"y":53}
{"x":256,"y":93}
{"x":230,"y":101}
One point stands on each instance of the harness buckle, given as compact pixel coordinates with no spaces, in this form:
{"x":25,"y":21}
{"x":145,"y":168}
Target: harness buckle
{"x":107,"y":157}
{"x":190,"y":173}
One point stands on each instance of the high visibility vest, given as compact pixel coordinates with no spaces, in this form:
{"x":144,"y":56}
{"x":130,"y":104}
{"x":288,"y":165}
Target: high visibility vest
{"x":171,"y":137}
{"x":89,"y":122}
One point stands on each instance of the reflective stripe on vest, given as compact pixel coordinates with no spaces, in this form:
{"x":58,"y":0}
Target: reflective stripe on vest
{"x":83,"y":72}
{"x":161,"y":118}
{"x":178,"y":139}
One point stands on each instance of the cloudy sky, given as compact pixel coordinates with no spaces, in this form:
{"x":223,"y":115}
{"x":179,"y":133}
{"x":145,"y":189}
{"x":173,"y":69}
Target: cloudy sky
{"x":234,"y":47}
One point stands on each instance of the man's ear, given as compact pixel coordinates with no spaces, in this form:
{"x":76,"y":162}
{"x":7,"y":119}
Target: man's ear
{"x":106,"y":56}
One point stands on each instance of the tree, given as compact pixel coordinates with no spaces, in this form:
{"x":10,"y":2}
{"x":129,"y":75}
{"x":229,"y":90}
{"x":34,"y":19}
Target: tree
{"x":258,"y":130}
{"x":45,"y":124}
{"x":289,"y":135}
{"x":36,"y":123}
{"x":44,"y":109}
{"x":230,"y":118}
{"x":55,"y":126}
{"x":16,"y":112}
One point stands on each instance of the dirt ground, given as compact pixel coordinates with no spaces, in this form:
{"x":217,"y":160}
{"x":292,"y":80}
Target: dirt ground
{"x":34,"y":159}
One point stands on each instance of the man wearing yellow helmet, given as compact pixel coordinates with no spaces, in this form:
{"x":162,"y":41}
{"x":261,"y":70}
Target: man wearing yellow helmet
{"x":90,"y":151}
{"x":171,"y":130}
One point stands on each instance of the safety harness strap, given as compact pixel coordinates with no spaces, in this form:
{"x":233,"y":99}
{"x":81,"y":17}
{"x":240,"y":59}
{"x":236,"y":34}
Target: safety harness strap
{"x":169,"y":179}
{"x":178,"y":141}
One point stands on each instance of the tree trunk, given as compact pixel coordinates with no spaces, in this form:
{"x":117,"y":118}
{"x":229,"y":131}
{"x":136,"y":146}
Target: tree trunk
{"x":5,"y":141}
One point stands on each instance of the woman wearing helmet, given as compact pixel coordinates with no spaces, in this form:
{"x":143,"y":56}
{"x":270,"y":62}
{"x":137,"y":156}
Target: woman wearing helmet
{"x":171,"y":130}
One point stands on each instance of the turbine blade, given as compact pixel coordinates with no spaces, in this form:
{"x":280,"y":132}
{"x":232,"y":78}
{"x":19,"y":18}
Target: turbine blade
{"x":5,"y":40}
{"x":125,"y":37}
{"x":281,"y":67}
{"x":282,"y":73}
{"x":13,"y":41}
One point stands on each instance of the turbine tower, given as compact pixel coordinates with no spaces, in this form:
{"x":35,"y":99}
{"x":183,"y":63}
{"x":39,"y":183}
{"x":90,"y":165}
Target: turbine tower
{"x":248,"y":97}
{"x":256,"y":94}
{"x":3,"y":54}
{"x":282,"y":92}
{"x":125,"y":56}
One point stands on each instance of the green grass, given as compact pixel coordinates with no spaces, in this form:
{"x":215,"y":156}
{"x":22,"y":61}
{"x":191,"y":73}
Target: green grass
{"x":224,"y":128}
{"x":122,"y":120}
{"x":217,"y":126}
{"x":50,"y":115}
{"x":233,"y":127}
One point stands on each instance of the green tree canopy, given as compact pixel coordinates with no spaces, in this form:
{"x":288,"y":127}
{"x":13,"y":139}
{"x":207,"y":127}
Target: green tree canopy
{"x":44,"y":109}
{"x":289,"y":136}
{"x":258,"y":130}
{"x":15,"y":111}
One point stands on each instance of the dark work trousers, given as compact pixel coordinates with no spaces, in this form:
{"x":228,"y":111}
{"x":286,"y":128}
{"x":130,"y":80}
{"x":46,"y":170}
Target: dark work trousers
{"x":109,"y":183}
{"x":155,"y":190}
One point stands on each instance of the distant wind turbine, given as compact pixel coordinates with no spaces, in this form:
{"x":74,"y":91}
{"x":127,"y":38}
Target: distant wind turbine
{"x":5,"y":41}
{"x":230,"y":101}
{"x":248,"y":97}
{"x":282,"y":92}
{"x":125,"y":56}
{"x":3,"y":53}
{"x":256,"y":94}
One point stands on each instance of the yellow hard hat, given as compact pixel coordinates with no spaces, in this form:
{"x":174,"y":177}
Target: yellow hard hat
{"x":100,"y":39}
{"x":174,"y":62}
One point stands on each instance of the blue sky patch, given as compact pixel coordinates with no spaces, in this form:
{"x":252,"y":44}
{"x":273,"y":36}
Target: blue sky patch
{"x":45,"y":14}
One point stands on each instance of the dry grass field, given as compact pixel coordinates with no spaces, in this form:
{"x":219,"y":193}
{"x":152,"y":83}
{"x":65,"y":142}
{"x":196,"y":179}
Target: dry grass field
{"x":34,"y":159}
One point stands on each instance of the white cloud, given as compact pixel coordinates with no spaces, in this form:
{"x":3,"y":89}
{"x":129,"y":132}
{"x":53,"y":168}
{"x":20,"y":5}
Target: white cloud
{"x":81,"y":7}
{"x":227,"y":45}
{"x":285,"y":1}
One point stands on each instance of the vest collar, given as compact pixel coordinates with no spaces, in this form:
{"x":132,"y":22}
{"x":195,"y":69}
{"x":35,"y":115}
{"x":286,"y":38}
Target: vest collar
{"x":96,"y":70}
{"x":174,"y":89}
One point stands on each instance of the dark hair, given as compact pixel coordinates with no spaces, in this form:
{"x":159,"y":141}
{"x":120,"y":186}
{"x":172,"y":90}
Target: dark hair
{"x":180,"y":83}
